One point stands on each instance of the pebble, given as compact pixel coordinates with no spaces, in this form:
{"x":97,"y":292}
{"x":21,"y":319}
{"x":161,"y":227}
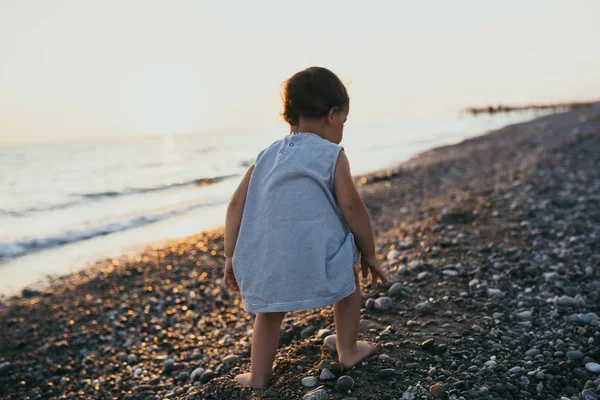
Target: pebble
{"x":231,"y":359}
{"x":532,"y":352}
{"x":330,"y":342}
{"x":515,"y":370}
{"x":397,"y":290}
{"x":4,"y":368}
{"x":574,"y":355}
{"x":318,"y":394}
{"x":345,"y":383}
{"x":309,"y":381}
{"x":568,"y":301}
{"x":326,"y":374}
{"x":490,"y":364}
{"x":589,"y":395}
{"x":370,"y":303}
{"x":323,"y":333}
{"x":438,"y":391}
{"x":169,"y":364}
{"x":196,"y":374}
{"x":593,"y":367}
{"x":495,"y":293}
{"x":383,"y":303}
{"x":207,"y":376}
{"x":524,"y":314}
{"x":393,"y":255}
{"x":424,"y":275}
{"x":450,"y":272}
{"x":424,"y":308}
{"x":336,"y":368}
{"x":386,"y":372}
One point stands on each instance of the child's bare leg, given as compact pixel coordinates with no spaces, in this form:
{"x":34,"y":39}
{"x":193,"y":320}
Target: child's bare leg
{"x":347,"y":320}
{"x":265,"y":341}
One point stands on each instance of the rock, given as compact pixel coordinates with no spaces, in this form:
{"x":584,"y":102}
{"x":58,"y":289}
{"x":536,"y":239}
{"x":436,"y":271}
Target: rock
{"x":370,"y":303}
{"x":142,"y":388}
{"x":196,"y":374}
{"x":318,"y":394}
{"x":386,"y":372}
{"x":593,"y":367}
{"x":588,"y":318}
{"x":4,"y":369}
{"x":524,"y":314}
{"x":336,"y":368}
{"x":207,"y":376}
{"x":515,"y":370}
{"x":532,"y":352}
{"x":326,"y":374}
{"x":427,"y":344}
{"x":424,"y":275}
{"x":231,"y":359}
{"x":383,"y":303}
{"x":308,"y":331}
{"x":183,"y":377}
{"x":568,"y":301}
{"x":574,"y":355}
{"x":424,"y":308}
{"x":366,"y":325}
{"x":393,"y":255}
{"x":495,"y":293}
{"x":589,"y":395}
{"x":323,"y":333}
{"x":330,"y":342}
{"x":345,"y":383}
{"x":398,"y":290}
{"x":169,"y":364}
{"x":490,"y":364}
{"x":450,"y":272}
{"x":309,"y":381}
{"x":438,"y":390}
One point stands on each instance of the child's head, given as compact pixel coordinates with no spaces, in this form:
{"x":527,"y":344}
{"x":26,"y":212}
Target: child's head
{"x":315,"y":99}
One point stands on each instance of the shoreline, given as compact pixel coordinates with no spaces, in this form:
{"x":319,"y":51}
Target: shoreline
{"x":33,"y":269}
{"x":469,"y":229}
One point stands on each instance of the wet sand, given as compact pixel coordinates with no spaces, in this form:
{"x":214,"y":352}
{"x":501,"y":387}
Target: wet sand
{"x":492,"y":246}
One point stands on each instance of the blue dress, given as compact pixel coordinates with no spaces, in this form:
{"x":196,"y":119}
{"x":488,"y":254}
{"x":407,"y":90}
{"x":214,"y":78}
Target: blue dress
{"x":294,"y":250}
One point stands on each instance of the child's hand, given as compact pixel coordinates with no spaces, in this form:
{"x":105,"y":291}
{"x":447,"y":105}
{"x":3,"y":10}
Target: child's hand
{"x":229,"y":281}
{"x":371,"y":264}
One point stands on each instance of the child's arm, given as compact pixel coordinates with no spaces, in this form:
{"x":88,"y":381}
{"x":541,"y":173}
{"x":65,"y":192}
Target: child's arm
{"x":357,"y":217}
{"x":233,"y":220}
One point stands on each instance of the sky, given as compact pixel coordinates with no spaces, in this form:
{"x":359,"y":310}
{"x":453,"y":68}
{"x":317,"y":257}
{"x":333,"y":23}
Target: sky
{"x":72,"y":70}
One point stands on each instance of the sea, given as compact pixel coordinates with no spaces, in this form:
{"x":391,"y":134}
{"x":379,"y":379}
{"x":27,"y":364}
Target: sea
{"x":64,"y":206}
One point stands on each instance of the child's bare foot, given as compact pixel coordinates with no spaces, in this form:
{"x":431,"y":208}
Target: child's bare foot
{"x":246,"y":380}
{"x":362,"y":351}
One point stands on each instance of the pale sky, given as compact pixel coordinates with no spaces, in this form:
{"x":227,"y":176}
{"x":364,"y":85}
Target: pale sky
{"x":82,"y":68}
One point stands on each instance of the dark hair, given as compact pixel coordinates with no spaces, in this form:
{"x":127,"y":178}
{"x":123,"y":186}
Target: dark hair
{"x":312,"y":92}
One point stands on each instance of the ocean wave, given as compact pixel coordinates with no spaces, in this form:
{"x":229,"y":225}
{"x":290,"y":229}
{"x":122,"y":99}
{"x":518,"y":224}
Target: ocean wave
{"x":79,"y":198}
{"x":21,"y":247}
{"x":129,"y":191}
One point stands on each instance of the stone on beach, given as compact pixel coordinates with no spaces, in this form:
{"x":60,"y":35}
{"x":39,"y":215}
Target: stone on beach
{"x":383,"y":303}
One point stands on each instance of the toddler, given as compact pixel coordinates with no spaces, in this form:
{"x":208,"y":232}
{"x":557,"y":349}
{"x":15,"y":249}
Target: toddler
{"x":296,"y":226}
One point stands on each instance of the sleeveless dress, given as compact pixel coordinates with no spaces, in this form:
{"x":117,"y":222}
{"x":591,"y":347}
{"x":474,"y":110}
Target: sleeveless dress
{"x":294,"y":251}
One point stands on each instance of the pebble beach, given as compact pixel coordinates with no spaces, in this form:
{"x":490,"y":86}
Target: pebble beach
{"x":492,"y":248}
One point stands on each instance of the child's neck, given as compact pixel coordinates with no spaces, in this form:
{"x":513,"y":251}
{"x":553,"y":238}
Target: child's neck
{"x":309,"y":126}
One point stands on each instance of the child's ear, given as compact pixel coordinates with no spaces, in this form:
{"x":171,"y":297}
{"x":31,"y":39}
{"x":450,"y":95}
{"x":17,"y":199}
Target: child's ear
{"x":331,"y":113}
